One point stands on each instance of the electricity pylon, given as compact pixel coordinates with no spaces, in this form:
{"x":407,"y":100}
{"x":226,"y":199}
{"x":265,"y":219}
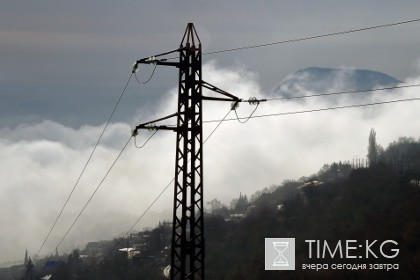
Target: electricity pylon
{"x":188,"y":250}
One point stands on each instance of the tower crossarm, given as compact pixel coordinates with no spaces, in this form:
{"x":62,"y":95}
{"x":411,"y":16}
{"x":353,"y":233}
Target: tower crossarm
{"x":228,"y":96}
{"x":151,"y":125}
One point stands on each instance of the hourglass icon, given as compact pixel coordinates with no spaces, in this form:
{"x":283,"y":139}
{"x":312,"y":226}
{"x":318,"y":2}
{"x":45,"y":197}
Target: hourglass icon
{"x":280,"y":247}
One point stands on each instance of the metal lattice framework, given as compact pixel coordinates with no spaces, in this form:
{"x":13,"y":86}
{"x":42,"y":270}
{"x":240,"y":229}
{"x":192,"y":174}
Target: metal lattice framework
{"x":188,"y":250}
{"x":187,"y":253}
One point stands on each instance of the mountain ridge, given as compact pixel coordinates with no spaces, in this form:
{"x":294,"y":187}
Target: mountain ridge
{"x":323,"y":80}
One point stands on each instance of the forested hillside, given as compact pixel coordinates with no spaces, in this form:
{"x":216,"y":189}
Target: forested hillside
{"x":371,"y":204}
{"x":342,"y":201}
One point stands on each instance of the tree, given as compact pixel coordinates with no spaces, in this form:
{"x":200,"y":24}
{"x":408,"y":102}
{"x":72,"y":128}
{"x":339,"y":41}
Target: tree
{"x":218,"y":208}
{"x":26,"y":257}
{"x":239,"y":205}
{"x":374,"y":150}
{"x":214,"y":205}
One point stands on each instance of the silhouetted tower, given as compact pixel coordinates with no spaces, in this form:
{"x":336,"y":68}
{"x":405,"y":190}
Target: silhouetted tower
{"x":188,"y":251}
{"x":188,"y":232}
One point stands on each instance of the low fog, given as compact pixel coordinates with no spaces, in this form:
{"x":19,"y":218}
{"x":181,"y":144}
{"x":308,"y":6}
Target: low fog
{"x":40,"y":163}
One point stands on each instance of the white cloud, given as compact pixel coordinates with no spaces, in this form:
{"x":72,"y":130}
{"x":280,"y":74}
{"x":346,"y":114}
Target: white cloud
{"x":39,"y":167}
{"x":40,"y":163}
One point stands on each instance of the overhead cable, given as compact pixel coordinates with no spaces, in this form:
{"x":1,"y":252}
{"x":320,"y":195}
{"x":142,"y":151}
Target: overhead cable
{"x":341,"y":92}
{"x":144,"y":144}
{"x":246,"y":119}
{"x":148,"y":80}
{"x":93,"y":194}
{"x":314,"y":37}
{"x":321,"y":109}
{"x":85,"y":166}
{"x":296,"y":40}
{"x":161,"y":193}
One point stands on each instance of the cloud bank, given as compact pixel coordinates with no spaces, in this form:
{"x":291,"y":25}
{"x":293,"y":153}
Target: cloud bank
{"x":40,"y":163}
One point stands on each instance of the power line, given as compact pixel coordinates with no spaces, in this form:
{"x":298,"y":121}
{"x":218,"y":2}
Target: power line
{"x":341,"y":92}
{"x":313,"y":37}
{"x":139,"y":219}
{"x":322,"y":109}
{"x":144,"y":144}
{"x":85,"y":166}
{"x":93,"y":151}
{"x":296,"y":40}
{"x":246,"y":119}
{"x":257,"y":101}
{"x":148,"y":80}
{"x":162,"y":192}
{"x":167,"y":186}
{"x":93,"y":194}
{"x":210,"y":53}
{"x":217,"y":126}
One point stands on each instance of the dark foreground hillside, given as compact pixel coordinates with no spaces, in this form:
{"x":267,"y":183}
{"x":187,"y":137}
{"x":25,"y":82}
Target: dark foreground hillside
{"x":342,"y":202}
{"x":371,"y":204}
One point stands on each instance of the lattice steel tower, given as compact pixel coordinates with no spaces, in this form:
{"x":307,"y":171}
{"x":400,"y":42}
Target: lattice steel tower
{"x":188,"y":225}
{"x":187,"y":253}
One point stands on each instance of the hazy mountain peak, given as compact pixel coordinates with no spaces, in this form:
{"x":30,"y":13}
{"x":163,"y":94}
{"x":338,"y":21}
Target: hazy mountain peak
{"x":323,"y":80}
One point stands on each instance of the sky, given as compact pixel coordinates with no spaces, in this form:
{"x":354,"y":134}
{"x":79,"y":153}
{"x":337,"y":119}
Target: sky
{"x":64,"y":64}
